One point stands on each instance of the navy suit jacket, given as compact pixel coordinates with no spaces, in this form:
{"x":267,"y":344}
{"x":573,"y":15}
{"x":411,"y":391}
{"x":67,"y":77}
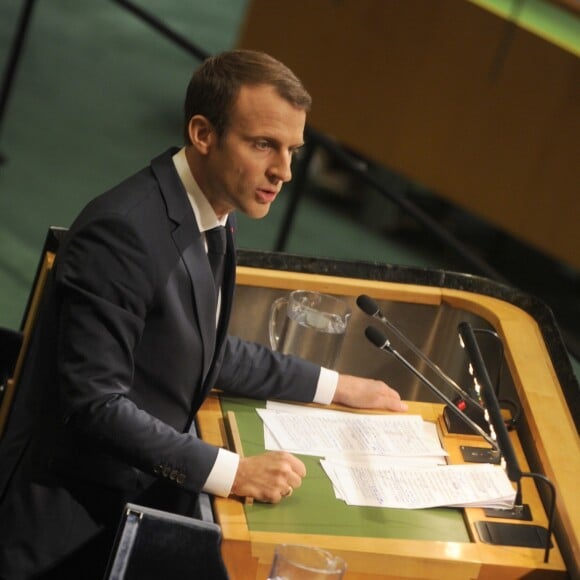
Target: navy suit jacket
{"x":128,"y":346}
{"x":124,"y":351}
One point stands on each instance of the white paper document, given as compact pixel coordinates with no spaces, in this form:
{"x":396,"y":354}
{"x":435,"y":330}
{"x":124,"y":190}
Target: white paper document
{"x":324,"y":432}
{"x":410,"y":487}
{"x":393,"y":461}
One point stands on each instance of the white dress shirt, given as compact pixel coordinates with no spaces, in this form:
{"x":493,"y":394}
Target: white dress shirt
{"x":221,"y":477}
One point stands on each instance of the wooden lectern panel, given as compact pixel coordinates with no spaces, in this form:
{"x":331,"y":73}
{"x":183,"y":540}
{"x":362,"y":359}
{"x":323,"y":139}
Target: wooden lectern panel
{"x":551,"y":438}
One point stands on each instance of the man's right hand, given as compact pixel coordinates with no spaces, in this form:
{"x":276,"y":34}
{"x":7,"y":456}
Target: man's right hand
{"x":268,"y":477}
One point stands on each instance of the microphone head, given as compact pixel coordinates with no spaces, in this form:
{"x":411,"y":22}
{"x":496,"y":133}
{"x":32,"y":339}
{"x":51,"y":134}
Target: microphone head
{"x":376,"y":337}
{"x":367,"y":305}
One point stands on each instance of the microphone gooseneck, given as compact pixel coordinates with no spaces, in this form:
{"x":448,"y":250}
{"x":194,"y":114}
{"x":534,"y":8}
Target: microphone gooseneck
{"x":382,"y":342}
{"x":370,"y":307}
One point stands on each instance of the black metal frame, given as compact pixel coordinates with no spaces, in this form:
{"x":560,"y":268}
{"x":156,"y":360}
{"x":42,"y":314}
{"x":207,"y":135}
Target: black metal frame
{"x":22,"y":29}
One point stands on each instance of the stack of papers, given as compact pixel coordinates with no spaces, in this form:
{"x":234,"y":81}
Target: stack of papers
{"x":412,"y":487}
{"x":393,"y":461}
{"x":325,"y":432}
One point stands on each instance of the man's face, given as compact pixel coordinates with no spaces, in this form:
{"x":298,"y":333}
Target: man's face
{"x":245,"y":169}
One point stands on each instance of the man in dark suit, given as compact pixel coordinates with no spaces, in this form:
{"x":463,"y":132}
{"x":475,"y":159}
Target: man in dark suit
{"x":134,"y":335}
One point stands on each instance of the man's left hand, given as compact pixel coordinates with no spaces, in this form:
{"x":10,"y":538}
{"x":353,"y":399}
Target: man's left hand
{"x":367,"y":394}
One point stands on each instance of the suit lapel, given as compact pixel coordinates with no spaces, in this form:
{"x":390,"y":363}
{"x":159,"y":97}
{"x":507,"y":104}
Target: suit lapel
{"x":189,"y":242}
{"x":204,"y":296}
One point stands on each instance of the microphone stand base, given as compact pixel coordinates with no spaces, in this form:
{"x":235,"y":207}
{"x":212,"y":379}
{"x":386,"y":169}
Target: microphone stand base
{"x":518,"y":512}
{"x":479,"y":455}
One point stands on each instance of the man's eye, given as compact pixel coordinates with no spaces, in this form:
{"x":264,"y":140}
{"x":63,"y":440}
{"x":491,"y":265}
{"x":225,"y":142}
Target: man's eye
{"x":262,"y":145}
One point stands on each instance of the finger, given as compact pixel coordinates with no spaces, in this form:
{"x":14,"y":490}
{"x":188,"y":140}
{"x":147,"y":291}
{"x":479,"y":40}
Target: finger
{"x":395,"y":403}
{"x":297,"y":466}
{"x":293,"y":480}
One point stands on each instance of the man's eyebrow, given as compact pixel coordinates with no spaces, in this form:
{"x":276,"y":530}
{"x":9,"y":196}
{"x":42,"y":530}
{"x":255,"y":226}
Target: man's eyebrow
{"x":277,"y":142}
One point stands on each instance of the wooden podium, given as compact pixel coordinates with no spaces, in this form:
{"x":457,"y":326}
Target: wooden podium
{"x":550,"y":440}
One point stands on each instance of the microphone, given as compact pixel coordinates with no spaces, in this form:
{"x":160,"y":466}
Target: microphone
{"x":469,"y":341}
{"x":528,"y":536}
{"x":382,"y":342}
{"x":465,"y":402}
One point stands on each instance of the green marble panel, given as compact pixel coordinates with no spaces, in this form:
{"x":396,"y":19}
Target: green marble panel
{"x":313,"y":508}
{"x":541,"y":17}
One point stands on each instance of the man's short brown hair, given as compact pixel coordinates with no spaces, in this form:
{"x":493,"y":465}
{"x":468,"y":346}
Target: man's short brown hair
{"x":214,"y":87}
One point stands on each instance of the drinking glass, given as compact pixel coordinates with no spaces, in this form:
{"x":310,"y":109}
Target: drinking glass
{"x":312,"y":326}
{"x":296,"y":562}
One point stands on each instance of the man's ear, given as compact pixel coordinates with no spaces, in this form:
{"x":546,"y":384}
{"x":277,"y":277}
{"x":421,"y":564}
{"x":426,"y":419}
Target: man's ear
{"x":201,"y":133}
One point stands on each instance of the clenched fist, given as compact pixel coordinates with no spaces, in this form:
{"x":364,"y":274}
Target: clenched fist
{"x":268,"y":477}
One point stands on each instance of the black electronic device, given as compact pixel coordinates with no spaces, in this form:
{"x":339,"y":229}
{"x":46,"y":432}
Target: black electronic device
{"x":153,"y":544}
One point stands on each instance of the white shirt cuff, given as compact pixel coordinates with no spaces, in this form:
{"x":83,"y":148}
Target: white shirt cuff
{"x":326,"y":387}
{"x":222,"y":475}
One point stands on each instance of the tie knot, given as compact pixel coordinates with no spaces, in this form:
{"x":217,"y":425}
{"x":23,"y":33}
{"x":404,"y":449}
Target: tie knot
{"x":216,"y":240}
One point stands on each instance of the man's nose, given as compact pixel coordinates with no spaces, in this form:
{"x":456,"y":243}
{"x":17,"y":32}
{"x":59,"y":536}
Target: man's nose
{"x":281,"y":169}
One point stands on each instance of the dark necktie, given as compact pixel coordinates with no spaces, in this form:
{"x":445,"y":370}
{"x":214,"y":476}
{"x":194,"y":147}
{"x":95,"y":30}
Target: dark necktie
{"x":216,"y":251}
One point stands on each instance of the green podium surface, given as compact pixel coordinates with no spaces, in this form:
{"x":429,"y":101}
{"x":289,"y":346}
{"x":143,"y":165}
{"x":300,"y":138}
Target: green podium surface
{"x":314,"y":509}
